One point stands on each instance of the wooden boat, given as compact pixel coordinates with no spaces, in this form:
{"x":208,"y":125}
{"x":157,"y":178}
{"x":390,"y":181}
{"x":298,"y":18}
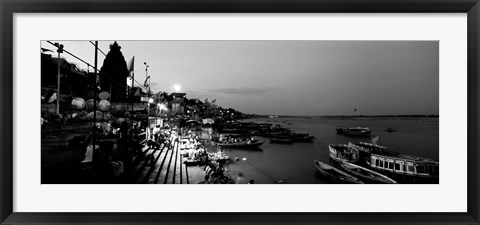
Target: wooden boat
{"x":281,"y":140}
{"x":303,"y":139}
{"x":241,"y":144}
{"x":358,"y":131}
{"x":294,"y":137}
{"x":342,"y":152}
{"x":335,"y":174}
{"x":366,"y":174}
{"x":383,"y":159}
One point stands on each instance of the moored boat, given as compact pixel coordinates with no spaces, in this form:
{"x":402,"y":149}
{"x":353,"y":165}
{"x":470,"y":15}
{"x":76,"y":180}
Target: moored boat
{"x":281,"y":140}
{"x":343,"y":152}
{"x":358,"y":131}
{"x":387,"y":161}
{"x":302,"y":138}
{"x":365,"y":174}
{"x":241,"y":144}
{"x":335,"y":174}
{"x":390,"y":129}
{"x":294,"y":137}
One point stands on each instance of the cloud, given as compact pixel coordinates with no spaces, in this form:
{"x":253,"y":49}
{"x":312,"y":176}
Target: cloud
{"x":242,"y":91}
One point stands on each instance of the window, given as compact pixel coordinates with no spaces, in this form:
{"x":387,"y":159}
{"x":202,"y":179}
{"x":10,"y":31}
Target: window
{"x":397,"y":166}
{"x":421,"y":169}
{"x":410,"y":168}
{"x":381,"y":164}
{"x":390,"y":165}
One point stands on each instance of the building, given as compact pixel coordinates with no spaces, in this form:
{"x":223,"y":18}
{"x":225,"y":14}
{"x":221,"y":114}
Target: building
{"x":73,"y":80}
{"x":113,"y":74}
{"x":178,"y":103}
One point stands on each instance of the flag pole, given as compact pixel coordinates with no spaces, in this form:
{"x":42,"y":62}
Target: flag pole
{"x":148,"y":94}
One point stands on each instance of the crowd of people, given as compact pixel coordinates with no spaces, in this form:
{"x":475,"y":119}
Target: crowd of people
{"x":120,"y":147}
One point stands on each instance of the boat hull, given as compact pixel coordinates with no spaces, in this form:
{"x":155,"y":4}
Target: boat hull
{"x":355,"y":133}
{"x":280,"y":141}
{"x":335,"y":174}
{"x":241,"y":145}
{"x":366,"y":175}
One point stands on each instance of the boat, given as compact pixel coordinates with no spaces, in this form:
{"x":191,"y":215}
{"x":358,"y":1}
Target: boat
{"x":383,"y":159}
{"x":358,"y":131}
{"x":303,"y":139}
{"x":281,"y":140}
{"x":335,"y":174}
{"x":294,"y":137}
{"x":365,"y":174}
{"x":241,"y":144}
{"x":390,"y":129}
{"x":342,"y":152}
{"x":300,"y":137}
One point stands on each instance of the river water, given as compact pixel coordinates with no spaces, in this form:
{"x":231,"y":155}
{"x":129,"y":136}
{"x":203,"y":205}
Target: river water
{"x":293,"y":163}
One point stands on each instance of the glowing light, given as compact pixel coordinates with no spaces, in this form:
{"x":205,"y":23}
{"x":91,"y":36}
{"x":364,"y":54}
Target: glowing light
{"x":162,"y":106}
{"x":150,"y":100}
{"x":176,"y":87}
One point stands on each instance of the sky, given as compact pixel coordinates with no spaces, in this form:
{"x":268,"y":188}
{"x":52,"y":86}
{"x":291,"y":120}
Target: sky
{"x":309,"y":78}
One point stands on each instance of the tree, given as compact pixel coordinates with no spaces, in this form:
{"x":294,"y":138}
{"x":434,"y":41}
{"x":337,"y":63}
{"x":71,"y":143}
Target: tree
{"x":113,"y":74}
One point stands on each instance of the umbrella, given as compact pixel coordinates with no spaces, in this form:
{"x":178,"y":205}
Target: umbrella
{"x":119,"y":108}
{"x":208,"y":121}
{"x":98,"y":116}
{"x":82,"y":115}
{"x":104,"y":95}
{"x":104,"y":105}
{"x":78,"y":103}
{"x":90,"y":105}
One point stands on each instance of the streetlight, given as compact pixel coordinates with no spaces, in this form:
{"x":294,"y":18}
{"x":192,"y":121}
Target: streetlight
{"x":161,"y":106}
{"x":59,"y":50}
{"x":147,"y":78}
{"x":150,"y":101}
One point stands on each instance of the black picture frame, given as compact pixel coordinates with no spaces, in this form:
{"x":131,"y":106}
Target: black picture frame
{"x":9,"y":7}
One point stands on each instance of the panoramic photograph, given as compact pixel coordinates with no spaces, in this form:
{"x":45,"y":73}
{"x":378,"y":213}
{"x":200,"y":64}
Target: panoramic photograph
{"x":239,"y":112}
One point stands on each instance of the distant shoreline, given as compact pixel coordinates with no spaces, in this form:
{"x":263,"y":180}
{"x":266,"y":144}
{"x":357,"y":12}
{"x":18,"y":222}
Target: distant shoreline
{"x":382,"y":116}
{"x":341,"y":117}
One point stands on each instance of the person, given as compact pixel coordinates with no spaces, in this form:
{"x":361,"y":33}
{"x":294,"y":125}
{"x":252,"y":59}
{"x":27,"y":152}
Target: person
{"x":124,"y":130}
{"x":147,"y":133}
{"x":156,"y":133}
{"x":90,"y":148}
{"x":206,"y":180}
{"x":209,"y":168}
